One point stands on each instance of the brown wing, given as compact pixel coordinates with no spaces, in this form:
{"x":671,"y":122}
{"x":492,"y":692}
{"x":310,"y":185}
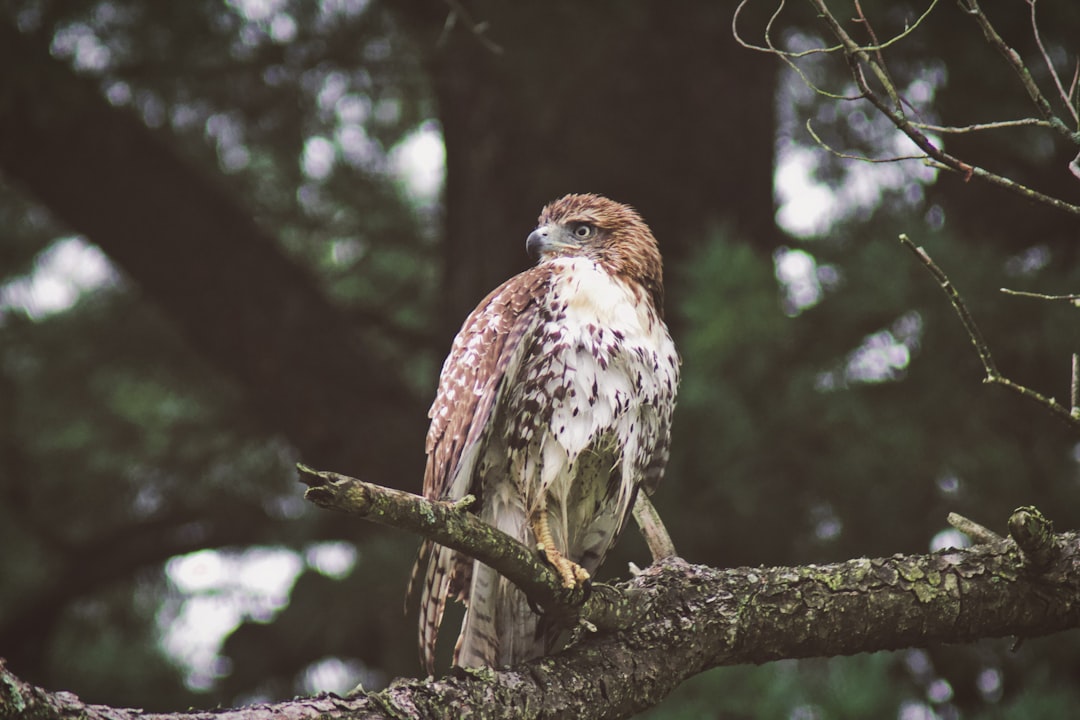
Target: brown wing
{"x":472,"y":373}
{"x":485,"y":353}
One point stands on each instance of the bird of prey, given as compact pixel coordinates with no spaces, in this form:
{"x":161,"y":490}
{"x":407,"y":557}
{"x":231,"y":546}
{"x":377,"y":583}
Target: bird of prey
{"x":553,"y":409}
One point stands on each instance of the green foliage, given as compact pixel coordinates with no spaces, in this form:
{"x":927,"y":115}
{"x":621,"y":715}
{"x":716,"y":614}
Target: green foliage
{"x":106,"y":644}
{"x":142,"y":454}
{"x":861,"y":687}
{"x":785,"y":467}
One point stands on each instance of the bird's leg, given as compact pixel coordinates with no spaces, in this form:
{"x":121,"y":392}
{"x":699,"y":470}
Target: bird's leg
{"x":571,"y":573}
{"x":652,"y":528}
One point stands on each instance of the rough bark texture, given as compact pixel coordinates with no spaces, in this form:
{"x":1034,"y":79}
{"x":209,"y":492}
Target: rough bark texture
{"x":698,"y":618}
{"x":451,"y":524}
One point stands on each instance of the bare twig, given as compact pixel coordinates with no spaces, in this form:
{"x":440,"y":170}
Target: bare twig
{"x":993,"y":376}
{"x":478,"y":29}
{"x":1074,"y":386}
{"x":1074,"y":81}
{"x":773,"y":50}
{"x":979,"y":534}
{"x":1040,"y":296}
{"x":858,"y":57}
{"x":975,"y":127}
{"x":863,"y":58}
{"x":1065,"y":96}
{"x":981,"y":348}
{"x":851,"y":156}
{"x":971,"y":7}
{"x":788,"y":57}
{"x":879,"y":58}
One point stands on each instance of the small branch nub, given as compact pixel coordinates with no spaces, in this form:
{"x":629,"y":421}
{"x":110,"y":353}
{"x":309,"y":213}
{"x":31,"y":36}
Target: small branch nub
{"x":1034,"y":536}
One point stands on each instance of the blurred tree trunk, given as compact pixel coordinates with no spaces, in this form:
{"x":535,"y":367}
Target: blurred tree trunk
{"x":683,"y":129}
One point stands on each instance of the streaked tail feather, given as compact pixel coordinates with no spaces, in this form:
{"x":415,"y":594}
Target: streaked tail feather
{"x":433,"y":601}
{"x":477,"y":644}
{"x":422,"y":556}
{"x":499,"y":628}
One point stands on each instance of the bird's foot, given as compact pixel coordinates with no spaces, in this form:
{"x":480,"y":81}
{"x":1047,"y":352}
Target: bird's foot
{"x":572,"y":574}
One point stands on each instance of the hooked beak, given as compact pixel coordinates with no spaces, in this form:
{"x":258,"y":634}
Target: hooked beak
{"x":547,"y":239}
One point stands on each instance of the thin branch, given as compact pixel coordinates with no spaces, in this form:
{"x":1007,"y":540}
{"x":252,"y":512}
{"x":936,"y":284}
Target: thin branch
{"x":1073,"y":83}
{"x":478,"y":29}
{"x":772,"y":49}
{"x":1040,"y":296}
{"x":769,"y":47}
{"x":944,"y":161}
{"x":981,"y":348}
{"x":879,"y":58}
{"x":787,"y":56}
{"x":860,"y":57}
{"x":993,"y":376}
{"x":1000,"y":124}
{"x":857,"y":55}
{"x":910,"y":29}
{"x":861,"y":158}
{"x":869,"y":56}
{"x":1074,"y":386}
{"x":979,"y":534}
{"x":971,"y":7}
{"x":1050,"y":65}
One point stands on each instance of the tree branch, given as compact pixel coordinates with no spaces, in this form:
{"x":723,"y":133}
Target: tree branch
{"x":695,"y":618}
{"x":1071,"y":298}
{"x":993,"y":375}
{"x":450,"y":524}
{"x":975,"y":531}
{"x":864,"y":58}
{"x":971,"y":7}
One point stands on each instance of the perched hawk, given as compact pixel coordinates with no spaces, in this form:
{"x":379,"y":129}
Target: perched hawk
{"x":553,"y":408}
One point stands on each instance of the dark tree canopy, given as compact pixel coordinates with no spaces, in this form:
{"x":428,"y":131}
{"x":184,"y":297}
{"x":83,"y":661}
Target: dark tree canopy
{"x":277,"y":287}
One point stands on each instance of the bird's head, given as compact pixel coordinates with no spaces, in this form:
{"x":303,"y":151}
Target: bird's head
{"x":609,"y":233}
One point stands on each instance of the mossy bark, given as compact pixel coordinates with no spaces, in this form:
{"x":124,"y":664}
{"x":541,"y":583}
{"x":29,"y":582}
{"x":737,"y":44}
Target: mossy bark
{"x":690,"y":618}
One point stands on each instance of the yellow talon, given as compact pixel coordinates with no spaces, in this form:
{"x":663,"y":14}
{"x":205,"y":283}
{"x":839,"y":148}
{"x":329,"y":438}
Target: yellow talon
{"x":571,"y":573}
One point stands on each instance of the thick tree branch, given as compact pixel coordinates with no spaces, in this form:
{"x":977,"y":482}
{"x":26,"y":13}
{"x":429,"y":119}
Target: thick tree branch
{"x":450,"y":524}
{"x":696,"y":618}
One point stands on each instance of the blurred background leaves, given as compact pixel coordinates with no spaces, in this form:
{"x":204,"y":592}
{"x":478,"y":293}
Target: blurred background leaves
{"x":269,"y":262}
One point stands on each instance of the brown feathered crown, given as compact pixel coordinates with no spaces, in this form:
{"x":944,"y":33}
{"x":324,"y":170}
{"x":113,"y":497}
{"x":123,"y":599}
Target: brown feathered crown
{"x":613,"y":235}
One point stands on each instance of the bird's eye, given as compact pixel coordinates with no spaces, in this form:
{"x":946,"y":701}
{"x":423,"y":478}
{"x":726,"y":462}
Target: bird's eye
{"x":584,"y":231}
